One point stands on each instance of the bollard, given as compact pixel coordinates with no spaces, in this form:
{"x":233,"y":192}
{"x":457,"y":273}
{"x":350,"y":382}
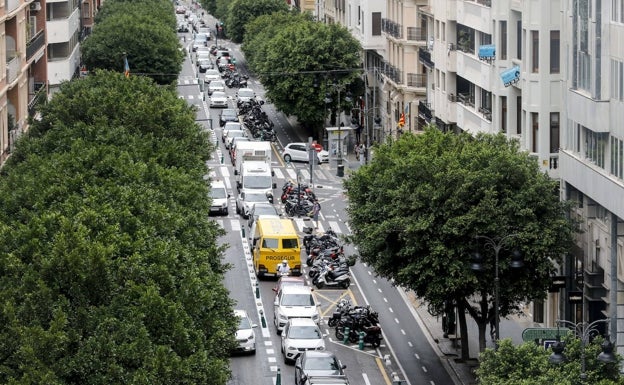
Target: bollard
{"x":262,"y":320}
{"x":243,"y":231}
{"x":221,"y":158}
{"x":257,"y":290}
{"x":345,"y":338}
{"x":361,"y":341}
{"x":278,"y":379}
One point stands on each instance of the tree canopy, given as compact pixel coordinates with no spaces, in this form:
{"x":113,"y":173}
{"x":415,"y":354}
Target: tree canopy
{"x":527,"y":364}
{"x":109,"y":268}
{"x":300,"y":61}
{"x":416,"y":209}
{"x":242,"y":12}
{"x":143,"y":32}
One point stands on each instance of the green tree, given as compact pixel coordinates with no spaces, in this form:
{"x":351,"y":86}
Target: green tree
{"x":109,"y":268}
{"x":299,"y":61}
{"x":527,"y":364}
{"x":416,"y":209}
{"x":145,"y":36}
{"x":241,"y":12}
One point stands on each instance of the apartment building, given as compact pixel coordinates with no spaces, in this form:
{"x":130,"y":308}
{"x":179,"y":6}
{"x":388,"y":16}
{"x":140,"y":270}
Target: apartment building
{"x":63,"y":27}
{"x":23,"y":72}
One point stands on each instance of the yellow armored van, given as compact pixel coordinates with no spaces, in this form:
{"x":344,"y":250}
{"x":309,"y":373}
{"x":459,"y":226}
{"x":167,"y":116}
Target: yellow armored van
{"x":275,"y":240}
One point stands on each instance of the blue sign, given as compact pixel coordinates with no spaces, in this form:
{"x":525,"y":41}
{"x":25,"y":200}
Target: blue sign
{"x":487,"y":52}
{"x":510,"y":76}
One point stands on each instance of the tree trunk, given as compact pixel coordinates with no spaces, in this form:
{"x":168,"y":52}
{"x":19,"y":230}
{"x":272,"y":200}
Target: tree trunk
{"x":482,"y":326}
{"x":463,"y":330}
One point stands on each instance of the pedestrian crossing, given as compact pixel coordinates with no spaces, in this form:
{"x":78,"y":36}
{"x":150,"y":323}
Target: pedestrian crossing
{"x":235,"y":225}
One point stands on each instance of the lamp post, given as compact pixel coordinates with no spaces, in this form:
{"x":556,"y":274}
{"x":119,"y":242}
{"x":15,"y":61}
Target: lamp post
{"x":339,"y":88}
{"x":497,"y":245}
{"x":299,"y":177}
{"x":584,"y":331}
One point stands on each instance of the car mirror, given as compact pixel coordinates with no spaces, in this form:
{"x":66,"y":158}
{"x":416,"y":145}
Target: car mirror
{"x":298,"y":367}
{"x":256,"y":325}
{"x":274,"y":289}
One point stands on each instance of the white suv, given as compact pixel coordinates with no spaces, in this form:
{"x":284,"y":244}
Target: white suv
{"x":300,"y":334}
{"x":298,"y":152}
{"x":294,"y":302}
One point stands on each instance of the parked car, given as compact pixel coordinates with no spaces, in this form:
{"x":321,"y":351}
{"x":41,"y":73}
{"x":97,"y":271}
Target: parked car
{"x":228,"y":115}
{"x":200,"y":41}
{"x":315,"y":363}
{"x":247,"y":199}
{"x":183,"y":27}
{"x":220,"y":198}
{"x":294,"y":301}
{"x":204,"y":63}
{"x":300,"y":335}
{"x":211,"y":74}
{"x":218,"y":99}
{"x":245,"y":334}
{"x":215,"y":85}
{"x":244,"y":95}
{"x":261,"y":209}
{"x":298,"y":152}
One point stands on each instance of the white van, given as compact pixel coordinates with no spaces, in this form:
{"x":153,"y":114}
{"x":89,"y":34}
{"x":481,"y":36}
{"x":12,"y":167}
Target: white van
{"x":220,"y":198}
{"x":251,"y":151}
{"x":256,"y":176}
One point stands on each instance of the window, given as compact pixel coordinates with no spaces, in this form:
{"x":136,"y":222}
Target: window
{"x":595,"y":144}
{"x":443,"y":82}
{"x":290,"y":243}
{"x":376,"y":23}
{"x":519,"y":40}
{"x":486,"y":38}
{"x":486,"y":99}
{"x":617,"y":79}
{"x":503,"y":122}
{"x":554,"y":132}
{"x":503,"y":40}
{"x":443,"y":30}
{"x":535,"y":51}
{"x":617,"y":157}
{"x":554,"y":52}
{"x":617,"y":11}
{"x":584,"y":70}
{"x":437,"y":29}
{"x":534,"y":130}
{"x":270,"y":243}
{"x":465,"y":38}
{"x":518,"y":116}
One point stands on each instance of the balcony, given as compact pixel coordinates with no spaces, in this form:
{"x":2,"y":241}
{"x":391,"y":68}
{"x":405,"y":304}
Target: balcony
{"x":392,"y":72}
{"x":424,"y":111}
{"x":35,"y":45}
{"x":487,"y":113}
{"x":416,"y":34}
{"x":38,"y":97}
{"x":13,"y":70}
{"x":424,"y":56}
{"x":416,"y":80}
{"x":466,"y":99}
{"x":391,"y":28}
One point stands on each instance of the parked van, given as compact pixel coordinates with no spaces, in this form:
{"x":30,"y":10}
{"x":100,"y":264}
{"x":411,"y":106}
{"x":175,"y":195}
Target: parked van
{"x":256,"y":176}
{"x":251,"y":151}
{"x":275,"y":240}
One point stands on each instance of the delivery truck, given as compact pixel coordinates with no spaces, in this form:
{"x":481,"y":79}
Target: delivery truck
{"x":255,"y":151}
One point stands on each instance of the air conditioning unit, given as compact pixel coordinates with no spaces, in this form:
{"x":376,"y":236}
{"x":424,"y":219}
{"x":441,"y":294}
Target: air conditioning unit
{"x":35,"y":6}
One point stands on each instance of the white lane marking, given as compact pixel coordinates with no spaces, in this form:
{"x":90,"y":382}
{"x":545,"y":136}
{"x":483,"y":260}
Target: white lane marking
{"x":366,"y":381}
{"x":396,"y":320}
{"x":391,"y":311}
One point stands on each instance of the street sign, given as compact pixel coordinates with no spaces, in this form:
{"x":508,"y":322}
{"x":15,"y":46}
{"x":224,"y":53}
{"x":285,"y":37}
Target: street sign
{"x":533,"y":334}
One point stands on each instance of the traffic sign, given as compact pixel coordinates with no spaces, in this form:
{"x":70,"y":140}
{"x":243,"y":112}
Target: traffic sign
{"x":533,"y":334}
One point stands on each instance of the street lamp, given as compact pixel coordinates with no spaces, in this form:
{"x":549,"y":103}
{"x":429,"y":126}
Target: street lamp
{"x":584,"y":331}
{"x":497,"y":245}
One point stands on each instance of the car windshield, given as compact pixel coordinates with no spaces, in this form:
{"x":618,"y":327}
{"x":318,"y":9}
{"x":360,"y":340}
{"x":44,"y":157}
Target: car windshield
{"x":213,"y":72}
{"x":321,"y":363}
{"x":255,"y":197}
{"x":264,"y":210}
{"x":235,"y":134}
{"x":218,"y":94}
{"x":246,"y":93}
{"x":257,"y":181}
{"x":244,"y":323}
{"x":228,"y":113}
{"x":297,"y":300}
{"x":218,"y":193}
{"x":304,"y":333}
{"x":216,"y":84}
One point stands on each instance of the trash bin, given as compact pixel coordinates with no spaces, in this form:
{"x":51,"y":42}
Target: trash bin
{"x":340,"y":170}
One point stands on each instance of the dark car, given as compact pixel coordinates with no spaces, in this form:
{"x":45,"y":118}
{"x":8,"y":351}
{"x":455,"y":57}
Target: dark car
{"x":228,"y":115}
{"x":312,"y":363}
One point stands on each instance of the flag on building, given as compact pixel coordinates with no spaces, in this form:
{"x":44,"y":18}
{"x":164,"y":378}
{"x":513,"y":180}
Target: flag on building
{"x":126,"y":67}
{"x":402,"y":120}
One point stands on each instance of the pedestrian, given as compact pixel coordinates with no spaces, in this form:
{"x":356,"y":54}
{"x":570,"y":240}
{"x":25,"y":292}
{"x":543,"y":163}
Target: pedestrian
{"x":358,"y":133}
{"x":283,"y":268}
{"x":316,"y":209}
{"x":357,"y":151}
{"x":362,"y":152}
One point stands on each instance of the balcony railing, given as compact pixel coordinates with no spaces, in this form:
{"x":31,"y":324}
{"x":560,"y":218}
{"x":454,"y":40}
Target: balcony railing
{"x":424,"y":110}
{"x":13,"y":69}
{"x":424,"y":56}
{"x":35,"y":44}
{"x":391,"y":28}
{"x":418,"y":34}
{"x":486,"y":112}
{"x":392,"y":72}
{"x":487,"y":3}
{"x":38,"y":97}
{"x":466,"y":99}
{"x":416,"y":80}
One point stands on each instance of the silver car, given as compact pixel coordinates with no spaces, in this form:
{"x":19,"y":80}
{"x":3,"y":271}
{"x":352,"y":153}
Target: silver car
{"x":245,"y":334}
{"x":215,"y":85}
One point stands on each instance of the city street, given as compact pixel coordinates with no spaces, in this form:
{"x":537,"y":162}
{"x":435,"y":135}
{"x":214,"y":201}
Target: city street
{"x":417,"y":363}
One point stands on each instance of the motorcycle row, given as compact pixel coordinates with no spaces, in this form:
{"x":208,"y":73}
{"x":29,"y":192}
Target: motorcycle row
{"x":298,"y":199}
{"x":233,"y":79}
{"x":257,"y":120}
{"x":327,"y":264}
{"x":357,"y":320}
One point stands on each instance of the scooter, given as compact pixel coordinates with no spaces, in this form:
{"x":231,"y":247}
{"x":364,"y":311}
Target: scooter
{"x":330,"y":277}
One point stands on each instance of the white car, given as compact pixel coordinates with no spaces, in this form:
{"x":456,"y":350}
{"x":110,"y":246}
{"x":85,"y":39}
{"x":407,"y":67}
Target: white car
{"x":218,"y":99}
{"x":299,"y":335}
{"x":298,"y":152}
{"x":294,"y":302}
{"x":215,"y":85}
{"x":220,"y":198}
{"x":244,"y":95}
{"x":212,"y":74}
{"x":247,"y":199}
{"x":245,"y":334}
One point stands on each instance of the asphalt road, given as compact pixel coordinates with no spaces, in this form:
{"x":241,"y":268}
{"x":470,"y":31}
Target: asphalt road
{"x":417,"y":361}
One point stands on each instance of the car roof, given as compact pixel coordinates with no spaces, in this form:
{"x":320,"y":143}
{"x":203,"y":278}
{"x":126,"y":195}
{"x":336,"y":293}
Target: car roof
{"x":240,"y":313}
{"x":218,"y":93}
{"x":319,"y":353}
{"x":217,"y":183}
{"x":302,"y":322}
{"x":295,"y":289}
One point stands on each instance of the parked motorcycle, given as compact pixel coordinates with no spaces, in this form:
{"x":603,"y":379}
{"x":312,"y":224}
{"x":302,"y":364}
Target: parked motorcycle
{"x":330,"y":276}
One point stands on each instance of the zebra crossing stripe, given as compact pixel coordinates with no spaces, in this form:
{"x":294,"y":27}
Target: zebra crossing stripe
{"x":335,"y":227}
{"x":291,"y":174}
{"x":278,"y":173}
{"x":236,"y":225}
